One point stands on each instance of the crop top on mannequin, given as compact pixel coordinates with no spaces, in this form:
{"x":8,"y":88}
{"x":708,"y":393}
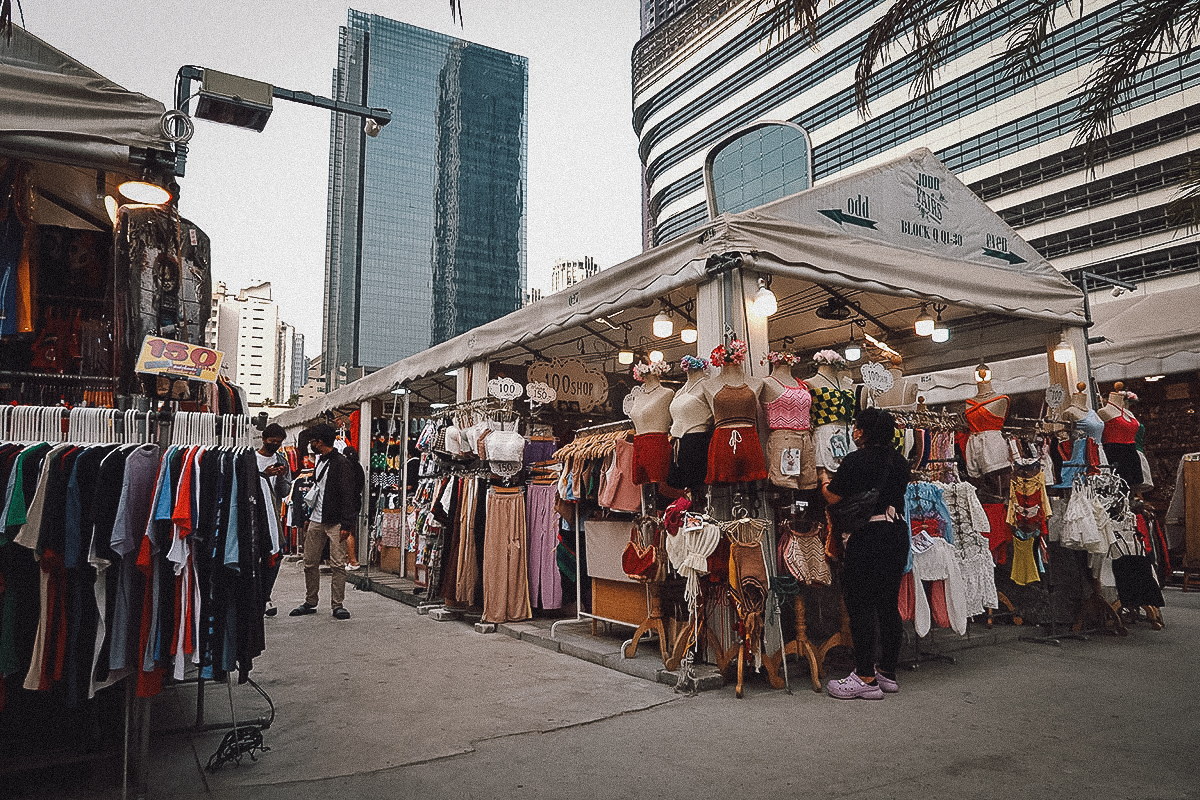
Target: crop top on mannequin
{"x":790,"y":410}
{"x":982,"y":418}
{"x":689,"y":412}
{"x":735,"y":405}
{"x":651,"y":408}
{"x":1121,"y":429}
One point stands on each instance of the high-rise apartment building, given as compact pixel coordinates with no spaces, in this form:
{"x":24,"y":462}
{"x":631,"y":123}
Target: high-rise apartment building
{"x":569,"y":273}
{"x":714,"y":67}
{"x":656,"y":12}
{"x":427,"y":221}
{"x":259,"y":349}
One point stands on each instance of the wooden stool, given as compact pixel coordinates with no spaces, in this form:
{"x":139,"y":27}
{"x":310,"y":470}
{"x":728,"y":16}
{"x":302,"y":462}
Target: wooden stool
{"x":815,"y":654}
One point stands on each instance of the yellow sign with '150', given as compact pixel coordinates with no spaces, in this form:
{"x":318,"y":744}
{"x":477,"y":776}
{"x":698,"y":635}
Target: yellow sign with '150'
{"x":178,"y":359}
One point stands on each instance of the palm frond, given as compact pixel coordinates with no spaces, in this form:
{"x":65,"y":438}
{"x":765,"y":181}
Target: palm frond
{"x":1147,"y":32}
{"x":1185,"y":206}
{"x":784,"y":16}
{"x":1029,"y":33}
{"x":922,"y":28}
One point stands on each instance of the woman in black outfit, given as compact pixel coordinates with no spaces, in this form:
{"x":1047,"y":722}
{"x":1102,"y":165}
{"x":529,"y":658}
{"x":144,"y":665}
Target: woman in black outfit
{"x":875,"y":556}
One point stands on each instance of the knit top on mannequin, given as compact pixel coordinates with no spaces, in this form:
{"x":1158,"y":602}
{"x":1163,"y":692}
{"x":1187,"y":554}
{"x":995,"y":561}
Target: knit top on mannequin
{"x":690,"y":412}
{"x":651,"y":411}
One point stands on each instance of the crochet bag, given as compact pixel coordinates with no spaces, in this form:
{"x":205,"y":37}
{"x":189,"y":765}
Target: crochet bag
{"x":644,"y":562}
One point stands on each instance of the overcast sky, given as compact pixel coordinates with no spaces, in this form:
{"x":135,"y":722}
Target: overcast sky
{"x":261,"y":196}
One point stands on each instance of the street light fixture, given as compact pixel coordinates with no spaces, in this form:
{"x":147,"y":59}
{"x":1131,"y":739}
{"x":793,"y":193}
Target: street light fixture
{"x":245,"y":103}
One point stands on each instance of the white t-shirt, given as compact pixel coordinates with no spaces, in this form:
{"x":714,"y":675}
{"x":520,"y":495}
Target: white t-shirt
{"x":318,"y":490}
{"x":269,"y":498}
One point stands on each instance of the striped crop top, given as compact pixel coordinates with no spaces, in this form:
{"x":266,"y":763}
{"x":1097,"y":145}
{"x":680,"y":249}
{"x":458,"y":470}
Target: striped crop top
{"x":790,"y":410}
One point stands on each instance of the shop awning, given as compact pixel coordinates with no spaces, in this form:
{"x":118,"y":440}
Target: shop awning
{"x":1143,"y":334}
{"x":56,"y":109}
{"x":886,"y":240}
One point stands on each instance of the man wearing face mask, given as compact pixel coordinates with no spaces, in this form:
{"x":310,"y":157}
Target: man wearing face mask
{"x":275,"y":481}
{"x":333,"y":511}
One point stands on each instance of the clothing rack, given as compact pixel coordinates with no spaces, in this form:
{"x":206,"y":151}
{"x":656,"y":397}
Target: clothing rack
{"x":580,"y":614}
{"x":607,"y":427}
{"x":57,"y":424}
{"x":484,"y":404}
{"x":932,"y":420}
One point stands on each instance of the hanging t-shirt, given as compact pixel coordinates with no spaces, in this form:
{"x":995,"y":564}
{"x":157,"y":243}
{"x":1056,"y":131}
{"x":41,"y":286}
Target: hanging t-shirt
{"x":316,"y":495}
{"x":268,"y":496}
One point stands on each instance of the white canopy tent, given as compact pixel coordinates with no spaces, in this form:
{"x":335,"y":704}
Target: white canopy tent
{"x":881,"y":242}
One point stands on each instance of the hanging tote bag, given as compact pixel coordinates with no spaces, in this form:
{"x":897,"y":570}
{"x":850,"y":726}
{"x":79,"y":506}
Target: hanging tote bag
{"x":644,"y":562}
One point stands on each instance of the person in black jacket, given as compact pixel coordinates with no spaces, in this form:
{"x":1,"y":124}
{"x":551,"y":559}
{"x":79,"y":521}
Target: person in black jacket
{"x":333,"y":510}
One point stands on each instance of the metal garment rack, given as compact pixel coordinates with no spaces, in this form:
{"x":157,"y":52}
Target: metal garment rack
{"x":580,"y":614}
{"x":87,"y":425}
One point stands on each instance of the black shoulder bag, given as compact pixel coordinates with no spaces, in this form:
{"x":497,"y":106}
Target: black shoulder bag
{"x":850,"y":514}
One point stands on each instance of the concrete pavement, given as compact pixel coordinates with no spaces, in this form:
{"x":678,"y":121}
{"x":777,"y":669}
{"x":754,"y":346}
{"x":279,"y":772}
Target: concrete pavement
{"x":394,"y":704}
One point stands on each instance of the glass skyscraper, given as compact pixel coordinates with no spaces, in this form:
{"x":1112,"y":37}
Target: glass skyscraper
{"x":427,"y":221}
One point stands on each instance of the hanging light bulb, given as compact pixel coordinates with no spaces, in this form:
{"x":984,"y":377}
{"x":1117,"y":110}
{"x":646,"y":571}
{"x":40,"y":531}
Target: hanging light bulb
{"x":688,"y":334}
{"x":1063,"y":352}
{"x":765,"y":303}
{"x":625,"y":355}
{"x":143,"y":192}
{"x":940,"y":332}
{"x":664,"y":326}
{"x":853,"y":351}
{"x":656,"y":356}
{"x":925,"y":323}
{"x":983,"y":373}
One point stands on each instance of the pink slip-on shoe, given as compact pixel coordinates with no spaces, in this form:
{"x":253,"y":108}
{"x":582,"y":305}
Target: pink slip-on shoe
{"x":853,"y":687}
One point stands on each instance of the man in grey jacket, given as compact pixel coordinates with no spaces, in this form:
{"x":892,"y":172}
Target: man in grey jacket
{"x":333,"y":512}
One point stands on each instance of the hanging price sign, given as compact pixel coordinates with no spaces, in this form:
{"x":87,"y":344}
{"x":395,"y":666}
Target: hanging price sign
{"x":178,"y":360}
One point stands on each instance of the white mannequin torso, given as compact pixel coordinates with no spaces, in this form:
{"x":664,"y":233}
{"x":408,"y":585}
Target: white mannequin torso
{"x":902,"y":393}
{"x":690,"y":412}
{"x":1113,"y":407}
{"x":651,"y":410}
{"x":827,"y":378}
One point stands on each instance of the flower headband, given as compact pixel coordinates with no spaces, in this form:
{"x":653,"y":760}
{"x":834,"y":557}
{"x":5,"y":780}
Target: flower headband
{"x":828,"y":357}
{"x":775,"y":357}
{"x":734,"y":354}
{"x":640,"y":371}
{"x":690,"y":362}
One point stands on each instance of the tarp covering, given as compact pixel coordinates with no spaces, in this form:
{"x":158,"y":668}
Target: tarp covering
{"x":878,"y":231}
{"x":56,"y":109}
{"x":907,"y":228}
